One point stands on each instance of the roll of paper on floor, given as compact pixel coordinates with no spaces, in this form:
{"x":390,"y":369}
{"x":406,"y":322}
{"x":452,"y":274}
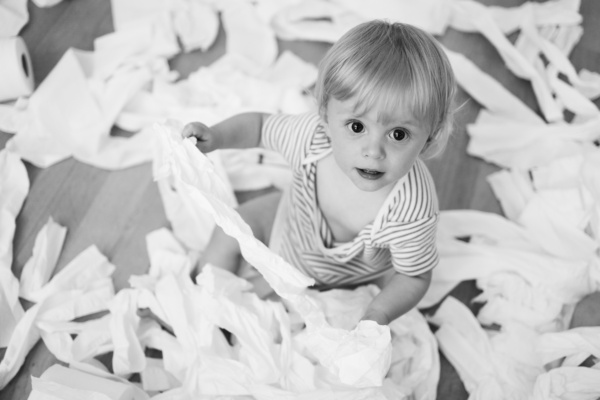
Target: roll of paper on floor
{"x":16,"y":76}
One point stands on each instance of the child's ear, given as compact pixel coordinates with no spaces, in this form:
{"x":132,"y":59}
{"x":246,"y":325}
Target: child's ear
{"x":427,"y":145}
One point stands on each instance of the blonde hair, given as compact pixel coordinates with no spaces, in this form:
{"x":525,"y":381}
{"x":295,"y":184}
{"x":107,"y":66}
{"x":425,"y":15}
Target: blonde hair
{"x":384,"y":65}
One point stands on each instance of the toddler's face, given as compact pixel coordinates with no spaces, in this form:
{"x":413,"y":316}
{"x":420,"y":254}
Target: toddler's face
{"x":373,"y":155}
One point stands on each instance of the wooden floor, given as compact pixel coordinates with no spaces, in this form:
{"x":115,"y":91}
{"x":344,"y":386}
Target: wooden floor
{"x":115,"y":210}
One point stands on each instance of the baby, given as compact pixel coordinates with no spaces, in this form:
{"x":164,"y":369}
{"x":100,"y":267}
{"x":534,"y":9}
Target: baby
{"x":362,"y":207}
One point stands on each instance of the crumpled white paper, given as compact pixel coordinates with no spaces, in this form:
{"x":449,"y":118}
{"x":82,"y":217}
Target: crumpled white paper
{"x":83,"y":287}
{"x":70,"y":383}
{"x":195,"y":23}
{"x":554,"y":213}
{"x":547,"y":14}
{"x":566,"y":190}
{"x":226,"y":87}
{"x":66,"y":117}
{"x":193,"y":229}
{"x":168,"y":291}
{"x":554,"y":205}
{"x":577,"y":383}
{"x":10,"y":307}
{"x":14,"y":186}
{"x":128,"y":355}
{"x":265,"y":349}
{"x":179,"y":161}
{"x":430,"y":15}
{"x":247,"y":34}
{"x":13,"y":16}
{"x":521,"y":281}
{"x":167,"y":255}
{"x":471,"y":16}
{"x":39,"y":268}
{"x":92,"y":338}
{"x":513,"y":189}
{"x":190,"y":172}
{"x":488,"y":92}
{"x":328,"y":21}
{"x":13,"y":114}
{"x":509,"y":143}
{"x":574,"y":345}
{"x":481,"y":362}
{"x":314,"y":20}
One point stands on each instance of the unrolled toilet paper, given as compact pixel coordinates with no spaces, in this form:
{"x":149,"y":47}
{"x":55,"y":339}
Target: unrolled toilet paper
{"x":66,"y":379}
{"x":16,"y":78}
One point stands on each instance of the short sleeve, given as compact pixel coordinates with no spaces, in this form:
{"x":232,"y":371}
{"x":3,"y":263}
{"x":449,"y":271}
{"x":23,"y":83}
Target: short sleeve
{"x":290,"y":135}
{"x":408,"y":226}
{"x":413,"y":247}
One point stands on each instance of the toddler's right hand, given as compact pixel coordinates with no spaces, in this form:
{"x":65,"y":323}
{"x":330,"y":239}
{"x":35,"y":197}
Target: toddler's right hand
{"x":205,"y":136}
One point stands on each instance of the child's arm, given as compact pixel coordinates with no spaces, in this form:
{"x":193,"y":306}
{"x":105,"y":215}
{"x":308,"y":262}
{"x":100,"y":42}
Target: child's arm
{"x":241,"y":131}
{"x":399,"y":295}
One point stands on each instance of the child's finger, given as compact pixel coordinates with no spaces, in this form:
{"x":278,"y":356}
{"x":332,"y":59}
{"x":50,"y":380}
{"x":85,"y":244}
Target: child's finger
{"x":187,"y":131}
{"x":201,"y":133}
{"x":194,"y":129}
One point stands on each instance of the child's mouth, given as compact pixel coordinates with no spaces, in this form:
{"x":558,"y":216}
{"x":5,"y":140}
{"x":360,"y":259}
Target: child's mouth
{"x":369,"y":173}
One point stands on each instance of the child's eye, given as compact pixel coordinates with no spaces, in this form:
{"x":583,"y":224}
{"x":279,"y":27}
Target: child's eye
{"x":398,"y":134}
{"x":356,"y":127}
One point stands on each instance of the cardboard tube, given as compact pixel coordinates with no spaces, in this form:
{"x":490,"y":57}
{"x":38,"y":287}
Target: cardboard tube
{"x":16,"y":79}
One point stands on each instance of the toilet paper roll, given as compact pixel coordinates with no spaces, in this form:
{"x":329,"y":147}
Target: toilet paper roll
{"x":16,"y":78}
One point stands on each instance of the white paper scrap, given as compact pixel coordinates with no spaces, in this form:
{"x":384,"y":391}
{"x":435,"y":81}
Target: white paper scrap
{"x":67,"y":118}
{"x":471,"y":16}
{"x":13,"y":16}
{"x":39,"y":268}
{"x":47,"y":390}
{"x":247,"y":34}
{"x":167,"y":255}
{"x":314,"y":20}
{"x":488,"y":92}
{"x":69,"y":303}
{"x":12,"y":116}
{"x":530,"y":145}
{"x":430,"y":15}
{"x":14,"y":186}
{"x":577,"y":383}
{"x":196,"y":23}
{"x":92,"y":338}
{"x":10,"y":307}
{"x":556,"y":345}
{"x":73,"y":379}
{"x":128,"y":356}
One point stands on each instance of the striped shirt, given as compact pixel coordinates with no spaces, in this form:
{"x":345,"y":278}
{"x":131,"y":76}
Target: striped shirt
{"x":402,"y":236}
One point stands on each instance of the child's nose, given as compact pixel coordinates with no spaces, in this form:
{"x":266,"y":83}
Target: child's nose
{"x":374,"y":148}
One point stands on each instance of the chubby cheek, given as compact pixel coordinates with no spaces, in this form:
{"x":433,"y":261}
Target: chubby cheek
{"x":404,"y":163}
{"x":341,"y":158}
{"x":403,"y":169}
